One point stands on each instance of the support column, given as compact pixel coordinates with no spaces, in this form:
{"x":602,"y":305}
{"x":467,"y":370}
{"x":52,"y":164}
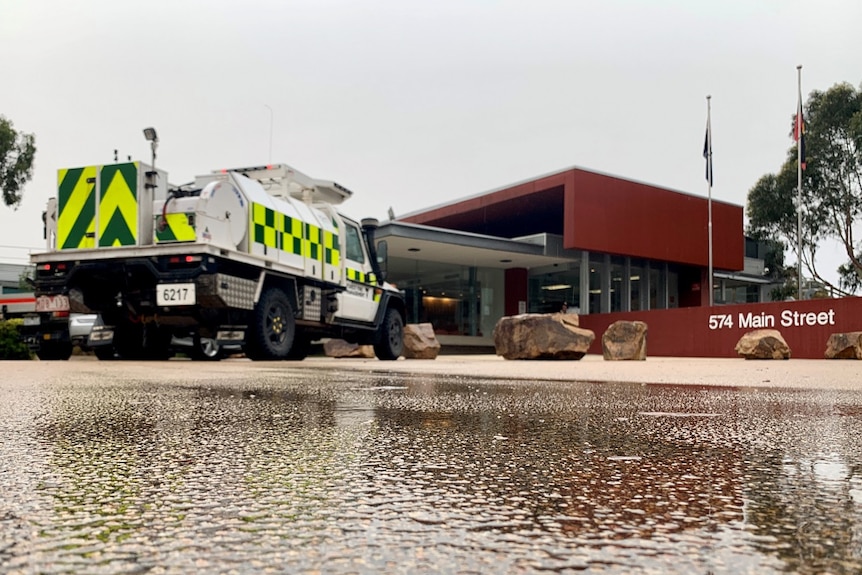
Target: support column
{"x":516,"y":289}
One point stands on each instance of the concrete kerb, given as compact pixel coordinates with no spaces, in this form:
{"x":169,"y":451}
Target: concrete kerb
{"x":825,"y":374}
{"x":729,"y":372}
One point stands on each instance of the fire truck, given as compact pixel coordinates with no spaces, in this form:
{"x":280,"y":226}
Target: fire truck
{"x":255,"y":258}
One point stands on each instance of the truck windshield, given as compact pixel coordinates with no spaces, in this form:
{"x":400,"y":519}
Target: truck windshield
{"x":354,"y":245}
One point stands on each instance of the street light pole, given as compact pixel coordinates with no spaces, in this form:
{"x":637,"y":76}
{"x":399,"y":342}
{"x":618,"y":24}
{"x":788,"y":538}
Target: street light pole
{"x":798,"y":131}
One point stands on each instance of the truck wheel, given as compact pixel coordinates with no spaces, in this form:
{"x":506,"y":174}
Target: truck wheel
{"x":300,"y":348}
{"x":273,"y":327}
{"x":390,"y":338}
{"x":54,"y":350}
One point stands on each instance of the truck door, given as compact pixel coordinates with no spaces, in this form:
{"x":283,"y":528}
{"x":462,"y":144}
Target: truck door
{"x":358,"y":301}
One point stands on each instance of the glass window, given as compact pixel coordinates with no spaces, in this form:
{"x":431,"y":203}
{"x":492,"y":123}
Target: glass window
{"x":491,"y":284}
{"x":655,"y":299}
{"x":455,"y":300}
{"x":552,"y":286}
{"x":618,"y":285}
{"x":635,"y":283}
{"x":672,"y":287}
{"x":353,"y":249}
{"x":597,"y":265}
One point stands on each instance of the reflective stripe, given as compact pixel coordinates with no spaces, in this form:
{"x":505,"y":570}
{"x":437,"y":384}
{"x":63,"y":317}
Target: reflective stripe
{"x":291,"y":240}
{"x":76,"y":207}
{"x":331,"y":251}
{"x":263,"y":223}
{"x":361,"y":277}
{"x":177,"y":229}
{"x":118,"y":205}
{"x":311,"y":242}
{"x":116,"y":211}
{"x":280,"y":231}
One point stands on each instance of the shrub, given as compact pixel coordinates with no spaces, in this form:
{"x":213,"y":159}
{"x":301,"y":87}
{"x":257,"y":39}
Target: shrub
{"x":11,"y":344}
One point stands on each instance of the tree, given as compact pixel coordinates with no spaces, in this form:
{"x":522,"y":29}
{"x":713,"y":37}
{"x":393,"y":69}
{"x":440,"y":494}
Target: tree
{"x":831,"y":199}
{"x":17,"y":151}
{"x":25,"y":278}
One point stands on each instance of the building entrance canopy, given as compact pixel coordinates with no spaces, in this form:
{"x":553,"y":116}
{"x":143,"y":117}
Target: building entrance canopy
{"x":425,"y":243}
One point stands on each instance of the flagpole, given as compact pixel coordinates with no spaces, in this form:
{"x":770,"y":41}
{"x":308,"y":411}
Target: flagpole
{"x":799,"y":182}
{"x":709,"y":201}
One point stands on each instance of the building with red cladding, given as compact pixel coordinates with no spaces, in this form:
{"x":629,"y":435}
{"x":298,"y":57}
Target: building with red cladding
{"x":604,"y":247}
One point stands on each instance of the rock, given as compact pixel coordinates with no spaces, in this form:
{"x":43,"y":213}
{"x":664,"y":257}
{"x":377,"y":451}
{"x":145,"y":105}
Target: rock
{"x":844,"y":346}
{"x":420,"y":341}
{"x":763,"y":344}
{"x":341,"y":348}
{"x":624,"y":340}
{"x":541,"y":336}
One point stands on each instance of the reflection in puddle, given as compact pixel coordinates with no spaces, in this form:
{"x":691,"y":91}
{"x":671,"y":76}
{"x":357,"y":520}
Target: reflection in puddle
{"x":303,"y":471}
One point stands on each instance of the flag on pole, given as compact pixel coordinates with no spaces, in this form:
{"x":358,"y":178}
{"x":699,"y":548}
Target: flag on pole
{"x":799,"y":131}
{"x":707,"y":152}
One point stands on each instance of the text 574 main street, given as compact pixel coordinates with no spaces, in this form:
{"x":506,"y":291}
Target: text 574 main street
{"x":787,"y":318}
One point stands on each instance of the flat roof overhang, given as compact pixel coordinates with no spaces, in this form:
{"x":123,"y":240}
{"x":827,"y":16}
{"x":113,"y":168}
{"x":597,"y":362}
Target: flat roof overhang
{"x":744,"y":279}
{"x":419,"y":242}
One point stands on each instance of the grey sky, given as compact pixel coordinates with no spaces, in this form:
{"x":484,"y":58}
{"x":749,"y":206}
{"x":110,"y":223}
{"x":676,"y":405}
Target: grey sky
{"x":412,"y":104}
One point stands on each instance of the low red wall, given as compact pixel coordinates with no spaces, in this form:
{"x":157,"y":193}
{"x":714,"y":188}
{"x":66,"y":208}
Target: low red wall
{"x":714,"y":331}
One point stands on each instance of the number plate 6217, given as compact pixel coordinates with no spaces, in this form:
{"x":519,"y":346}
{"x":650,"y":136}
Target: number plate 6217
{"x":175,"y":294}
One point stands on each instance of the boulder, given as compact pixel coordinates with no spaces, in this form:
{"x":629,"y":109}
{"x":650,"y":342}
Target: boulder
{"x":624,"y":340}
{"x":420,"y":341}
{"x":541,"y":336}
{"x":844,"y":346}
{"x":763,"y":344}
{"x":341,"y":348}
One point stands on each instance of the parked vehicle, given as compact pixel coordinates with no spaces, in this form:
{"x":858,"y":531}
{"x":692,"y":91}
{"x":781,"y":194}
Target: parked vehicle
{"x":46,"y":334}
{"x":80,"y":325}
{"x":255,"y":258}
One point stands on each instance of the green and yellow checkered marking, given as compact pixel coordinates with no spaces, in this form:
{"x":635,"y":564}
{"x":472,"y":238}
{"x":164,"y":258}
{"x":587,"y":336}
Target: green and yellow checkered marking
{"x":331,"y":249}
{"x":368,"y":279}
{"x":361,"y":277}
{"x":279,"y":231}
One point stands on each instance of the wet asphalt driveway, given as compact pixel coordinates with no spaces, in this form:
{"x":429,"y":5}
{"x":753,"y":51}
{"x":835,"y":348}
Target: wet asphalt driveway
{"x":253,"y":468}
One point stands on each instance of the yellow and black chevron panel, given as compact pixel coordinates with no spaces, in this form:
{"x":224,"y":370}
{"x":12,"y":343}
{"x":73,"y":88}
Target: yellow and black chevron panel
{"x":176,"y":228}
{"x":331,"y":249}
{"x":118,"y":205}
{"x":76,"y":208}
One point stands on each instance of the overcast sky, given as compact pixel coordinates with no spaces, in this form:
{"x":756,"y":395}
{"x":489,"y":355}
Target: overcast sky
{"x":413,"y":104}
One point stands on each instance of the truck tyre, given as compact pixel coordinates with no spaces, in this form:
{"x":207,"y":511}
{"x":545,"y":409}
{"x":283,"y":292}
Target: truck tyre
{"x":300,"y":348}
{"x":273,"y":327}
{"x":54,"y":350}
{"x":390,"y":338}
